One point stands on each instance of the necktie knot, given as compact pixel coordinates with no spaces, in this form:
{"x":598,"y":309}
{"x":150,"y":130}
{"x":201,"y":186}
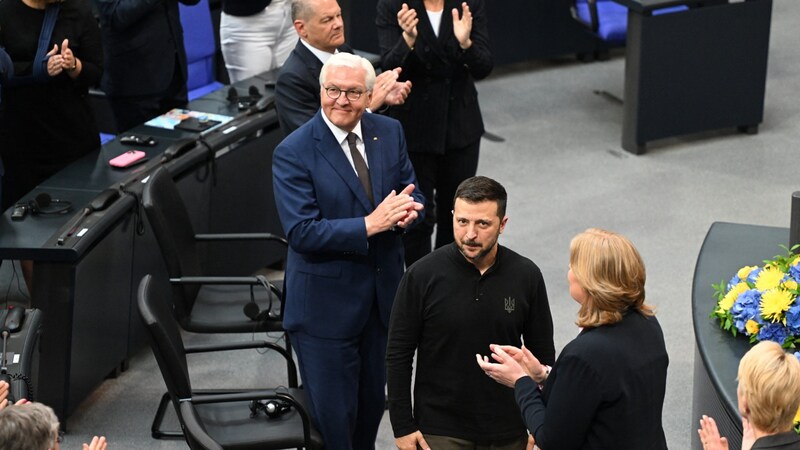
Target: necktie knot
{"x":352,"y":138}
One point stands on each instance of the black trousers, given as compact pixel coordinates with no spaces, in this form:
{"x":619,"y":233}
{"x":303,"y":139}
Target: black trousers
{"x":438,"y":177}
{"x":130,"y":111}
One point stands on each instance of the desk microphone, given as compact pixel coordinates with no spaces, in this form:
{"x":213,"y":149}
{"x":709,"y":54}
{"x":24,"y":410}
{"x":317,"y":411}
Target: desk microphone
{"x":99,"y":203}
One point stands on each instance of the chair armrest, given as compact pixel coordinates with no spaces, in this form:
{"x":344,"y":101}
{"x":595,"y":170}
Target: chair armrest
{"x":215,"y":280}
{"x":205,"y":237}
{"x":257,"y":280}
{"x":207,"y":348}
{"x":287,"y":355}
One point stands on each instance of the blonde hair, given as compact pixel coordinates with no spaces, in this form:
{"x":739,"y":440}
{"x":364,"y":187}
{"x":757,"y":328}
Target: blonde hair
{"x":769,"y":379}
{"x":611,"y":271}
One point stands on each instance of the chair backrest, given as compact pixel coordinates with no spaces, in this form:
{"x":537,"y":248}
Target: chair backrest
{"x":155,"y":310}
{"x":609,"y":19}
{"x":173,"y":230}
{"x":199,"y":43}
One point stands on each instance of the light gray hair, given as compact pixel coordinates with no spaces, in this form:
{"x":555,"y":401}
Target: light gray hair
{"x":31,"y":426}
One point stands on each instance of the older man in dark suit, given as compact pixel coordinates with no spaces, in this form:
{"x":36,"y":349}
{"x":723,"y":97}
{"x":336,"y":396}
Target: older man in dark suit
{"x":145,"y":61}
{"x":344,"y":186}
{"x":321,"y":29}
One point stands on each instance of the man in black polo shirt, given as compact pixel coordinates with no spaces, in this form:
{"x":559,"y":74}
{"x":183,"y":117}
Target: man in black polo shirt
{"x":451,"y":305}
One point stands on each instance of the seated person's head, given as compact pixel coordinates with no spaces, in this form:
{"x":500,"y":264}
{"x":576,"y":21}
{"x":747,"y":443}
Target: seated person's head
{"x":32,"y":426}
{"x":609,"y":271}
{"x":769,"y":387}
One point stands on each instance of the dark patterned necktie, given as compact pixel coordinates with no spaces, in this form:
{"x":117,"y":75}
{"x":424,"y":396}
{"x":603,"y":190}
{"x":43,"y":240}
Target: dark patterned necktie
{"x":361,"y":166}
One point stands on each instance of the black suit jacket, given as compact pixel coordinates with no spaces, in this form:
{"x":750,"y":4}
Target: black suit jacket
{"x":297,"y":89}
{"x":605,"y":391}
{"x":142,"y":40}
{"x":442,"y":109}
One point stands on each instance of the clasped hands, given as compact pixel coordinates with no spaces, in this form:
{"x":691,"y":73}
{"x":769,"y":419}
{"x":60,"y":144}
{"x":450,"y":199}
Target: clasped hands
{"x":63,"y":60}
{"x":511,"y":364}
{"x":396,"y":210}
{"x":462,"y":27}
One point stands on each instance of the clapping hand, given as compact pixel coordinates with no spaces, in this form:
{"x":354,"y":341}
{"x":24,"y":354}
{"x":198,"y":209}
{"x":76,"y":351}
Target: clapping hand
{"x":408,"y":20}
{"x":505,"y":371}
{"x":463,"y":27}
{"x":389,"y":91}
{"x":709,"y":435}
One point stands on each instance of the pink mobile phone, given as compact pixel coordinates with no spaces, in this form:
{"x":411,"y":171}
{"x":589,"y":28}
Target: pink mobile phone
{"x":128,"y":158}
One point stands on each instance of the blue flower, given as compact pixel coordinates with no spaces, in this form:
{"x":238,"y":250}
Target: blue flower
{"x":797,"y":355}
{"x":754,"y":275}
{"x":794,"y":271}
{"x":793,"y":319}
{"x":745,"y":308}
{"x":773,"y":332}
{"x":734,"y":281}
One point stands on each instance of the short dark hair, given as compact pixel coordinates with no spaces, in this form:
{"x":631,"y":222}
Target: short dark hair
{"x":481,"y":189}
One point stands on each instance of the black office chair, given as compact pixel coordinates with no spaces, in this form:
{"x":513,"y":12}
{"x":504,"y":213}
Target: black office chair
{"x":203,"y":303}
{"x":222,"y":419}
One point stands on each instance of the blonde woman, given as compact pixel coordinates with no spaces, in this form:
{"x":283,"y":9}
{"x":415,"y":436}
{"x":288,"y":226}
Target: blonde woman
{"x":606,"y":389}
{"x":769,"y":397}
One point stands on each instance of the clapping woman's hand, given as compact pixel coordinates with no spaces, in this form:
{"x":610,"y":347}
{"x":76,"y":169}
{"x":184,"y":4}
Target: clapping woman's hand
{"x":505,"y":371}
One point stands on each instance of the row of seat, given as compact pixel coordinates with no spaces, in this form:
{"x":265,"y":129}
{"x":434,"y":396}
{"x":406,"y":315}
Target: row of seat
{"x":199,"y":302}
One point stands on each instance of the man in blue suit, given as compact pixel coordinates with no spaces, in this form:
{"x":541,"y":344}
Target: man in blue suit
{"x":344,"y":187}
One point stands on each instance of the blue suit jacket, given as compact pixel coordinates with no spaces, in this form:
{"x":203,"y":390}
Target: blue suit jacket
{"x":334,"y":274}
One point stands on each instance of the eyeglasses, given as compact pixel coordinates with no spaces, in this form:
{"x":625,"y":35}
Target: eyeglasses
{"x":351,"y":94}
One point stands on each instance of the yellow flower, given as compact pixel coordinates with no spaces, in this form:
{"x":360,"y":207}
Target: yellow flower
{"x":769,"y":278}
{"x":774,"y":303}
{"x":796,"y":260}
{"x":790,"y":285}
{"x":727,"y":301}
{"x":752,"y":327}
{"x":744,"y":272}
{"x":797,"y":417}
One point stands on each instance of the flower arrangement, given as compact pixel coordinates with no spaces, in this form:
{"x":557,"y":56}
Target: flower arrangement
{"x":761,"y":302}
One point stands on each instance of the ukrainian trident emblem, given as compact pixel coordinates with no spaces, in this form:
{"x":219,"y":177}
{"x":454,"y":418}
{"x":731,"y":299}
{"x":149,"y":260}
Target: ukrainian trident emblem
{"x":510,"y":304}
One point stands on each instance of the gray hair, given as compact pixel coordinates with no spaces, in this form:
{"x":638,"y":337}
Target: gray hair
{"x":343,"y":59}
{"x":300,"y":10}
{"x":31,"y":426}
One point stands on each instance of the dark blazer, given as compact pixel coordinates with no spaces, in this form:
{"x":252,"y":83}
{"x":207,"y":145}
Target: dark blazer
{"x":781,"y":441}
{"x":141,"y":39}
{"x":297,"y":89}
{"x":334,"y":274}
{"x":442,"y":109}
{"x":606,"y":390}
